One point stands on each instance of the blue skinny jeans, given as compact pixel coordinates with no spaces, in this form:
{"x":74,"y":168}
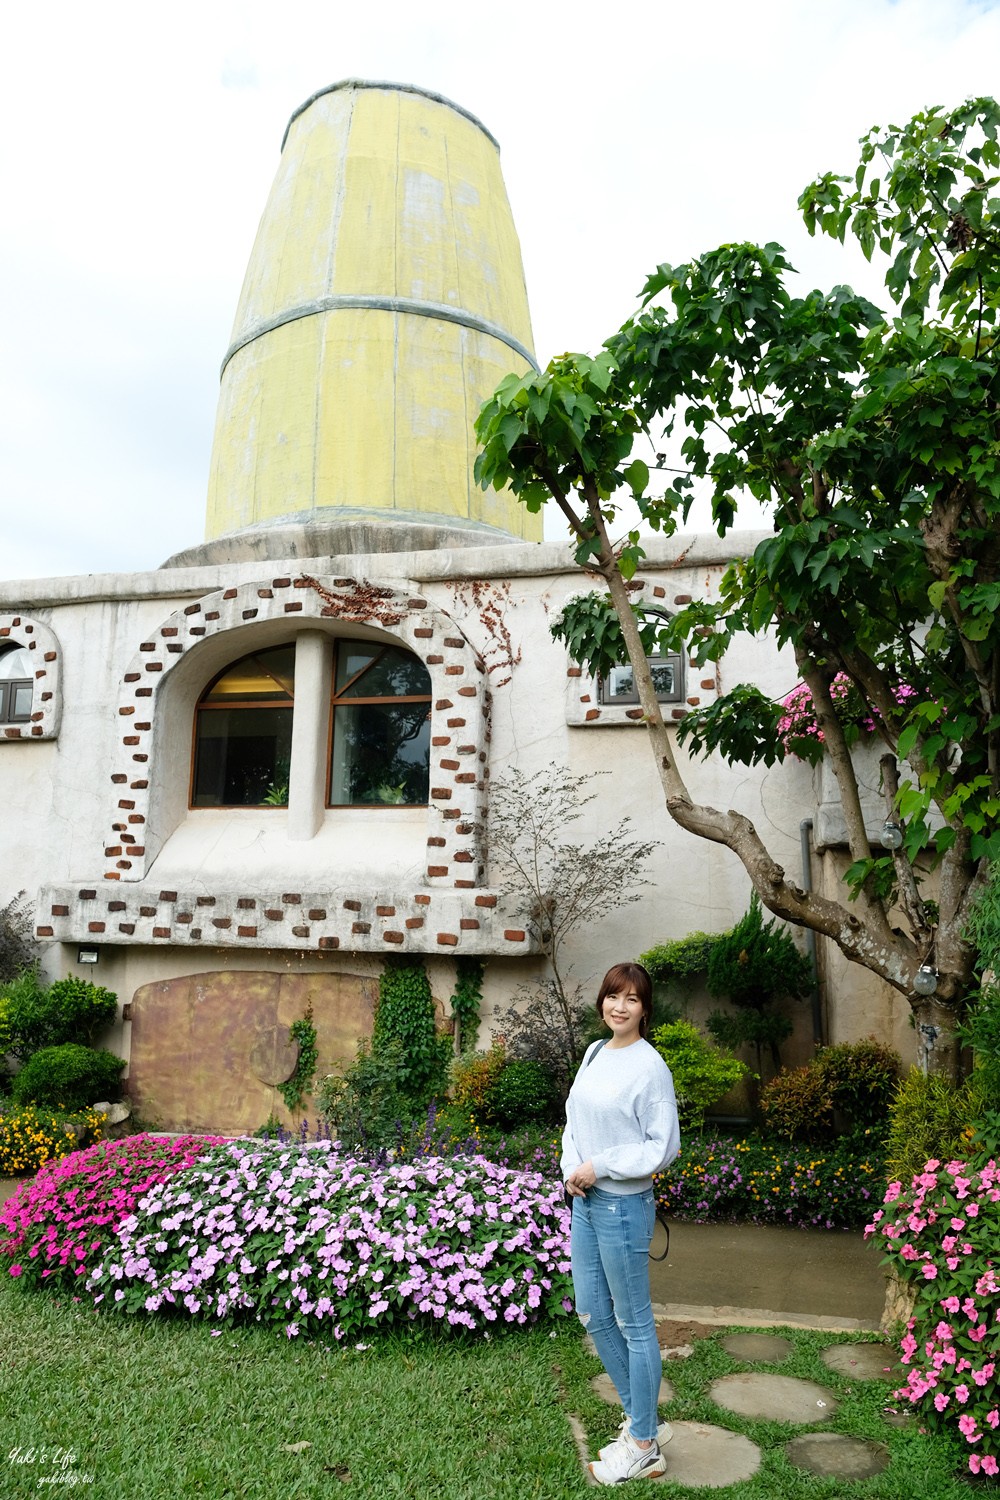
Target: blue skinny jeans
{"x":611,"y":1234}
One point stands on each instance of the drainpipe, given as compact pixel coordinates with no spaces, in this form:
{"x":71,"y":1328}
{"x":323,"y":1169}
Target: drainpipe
{"x":805,"y":829}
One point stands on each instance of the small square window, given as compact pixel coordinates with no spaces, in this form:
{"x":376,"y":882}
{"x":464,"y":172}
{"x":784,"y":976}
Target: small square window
{"x":619,"y":688}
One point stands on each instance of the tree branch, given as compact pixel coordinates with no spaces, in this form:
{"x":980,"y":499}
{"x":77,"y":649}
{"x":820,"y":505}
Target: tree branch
{"x":909,"y":892}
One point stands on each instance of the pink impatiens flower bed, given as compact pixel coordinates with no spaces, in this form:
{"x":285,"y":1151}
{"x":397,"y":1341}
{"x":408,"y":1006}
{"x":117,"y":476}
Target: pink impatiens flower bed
{"x":304,"y":1237}
{"x":55,"y":1226}
{"x":943,"y":1235}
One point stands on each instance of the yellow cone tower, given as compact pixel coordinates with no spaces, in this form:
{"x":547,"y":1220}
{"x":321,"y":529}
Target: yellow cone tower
{"x":383,"y":302}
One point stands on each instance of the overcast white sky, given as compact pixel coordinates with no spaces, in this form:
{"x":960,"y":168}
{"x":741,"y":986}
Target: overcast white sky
{"x":138,"y":144}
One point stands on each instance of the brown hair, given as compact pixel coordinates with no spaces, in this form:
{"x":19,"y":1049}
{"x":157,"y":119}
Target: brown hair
{"x":624,"y":977}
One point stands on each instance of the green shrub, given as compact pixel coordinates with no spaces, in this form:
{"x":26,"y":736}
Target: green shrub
{"x":26,"y":1023}
{"x":366,"y":1103}
{"x":861,"y":1079}
{"x":473,"y":1076}
{"x":18,"y":948}
{"x":753,"y":1028}
{"x":702,"y":1073}
{"x":522,"y":1092}
{"x":682,"y":960}
{"x":796,"y":1106}
{"x":70,"y":1077}
{"x":79,"y":1010}
{"x":70,"y":1010}
{"x":29,"y":1137}
{"x":929,"y":1118}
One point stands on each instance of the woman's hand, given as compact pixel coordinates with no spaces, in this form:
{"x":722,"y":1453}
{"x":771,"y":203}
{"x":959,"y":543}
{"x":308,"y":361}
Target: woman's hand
{"x":580,"y":1179}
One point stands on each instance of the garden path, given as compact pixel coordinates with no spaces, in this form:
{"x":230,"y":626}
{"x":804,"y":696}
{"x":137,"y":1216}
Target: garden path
{"x":701,"y":1453}
{"x":760,"y":1274}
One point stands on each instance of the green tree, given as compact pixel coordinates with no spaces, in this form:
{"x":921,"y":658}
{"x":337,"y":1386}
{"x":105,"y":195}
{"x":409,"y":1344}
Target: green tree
{"x":872,"y":439}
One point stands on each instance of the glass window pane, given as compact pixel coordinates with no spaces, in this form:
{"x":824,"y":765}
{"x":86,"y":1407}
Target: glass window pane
{"x":242,"y":757}
{"x":353,"y":657}
{"x":262,"y":675}
{"x":381,"y":754}
{"x":16,"y":663}
{"x":21,"y":705}
{"x":621,"y":683}
{"x":388,"y":672}
{"x":664,"y":677}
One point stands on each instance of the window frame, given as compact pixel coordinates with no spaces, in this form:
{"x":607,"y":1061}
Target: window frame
{"x":9,"y":687}
{"x":338,"y":698}
{"x":607,"y":699}
{"x":202,"y":706}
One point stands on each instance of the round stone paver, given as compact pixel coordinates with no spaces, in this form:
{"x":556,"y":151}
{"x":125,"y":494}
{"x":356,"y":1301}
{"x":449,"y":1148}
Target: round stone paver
{"x":864,"y":1361}
{"x":698,"y":1454}
{"x":832,"y":1455}
{"x":777,"y":1398}
{"x":757,"y":1348}
{"x":604,"y":1388}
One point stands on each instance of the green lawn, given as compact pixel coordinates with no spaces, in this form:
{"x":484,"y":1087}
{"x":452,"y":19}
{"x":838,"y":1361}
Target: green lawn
{"x":157,"y":1410}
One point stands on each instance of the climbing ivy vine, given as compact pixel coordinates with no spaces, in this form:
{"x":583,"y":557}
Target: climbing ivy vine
{"x":295,"y":1089}
{"x":405,"y":1017}
{"x":466,"y":1001}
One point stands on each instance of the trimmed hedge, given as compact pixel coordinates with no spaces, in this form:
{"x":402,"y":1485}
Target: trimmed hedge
{"x":69,"y":1077}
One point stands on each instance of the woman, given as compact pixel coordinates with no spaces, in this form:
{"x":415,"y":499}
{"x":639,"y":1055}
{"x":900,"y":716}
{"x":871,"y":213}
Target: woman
{"x":621,"y":1127}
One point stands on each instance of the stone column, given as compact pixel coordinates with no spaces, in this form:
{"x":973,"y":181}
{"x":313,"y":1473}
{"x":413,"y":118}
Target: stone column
{"x":310,"y":727}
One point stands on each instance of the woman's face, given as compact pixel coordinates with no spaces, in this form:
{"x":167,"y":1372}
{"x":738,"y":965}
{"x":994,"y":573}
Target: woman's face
{"x":623,"y":1014}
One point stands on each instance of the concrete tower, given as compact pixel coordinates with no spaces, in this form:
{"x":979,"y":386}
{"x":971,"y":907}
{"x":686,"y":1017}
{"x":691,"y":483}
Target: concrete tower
{"x":383,"y":302}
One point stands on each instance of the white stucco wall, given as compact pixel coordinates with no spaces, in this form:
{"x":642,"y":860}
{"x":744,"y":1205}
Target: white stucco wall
{"x":61,"y":800}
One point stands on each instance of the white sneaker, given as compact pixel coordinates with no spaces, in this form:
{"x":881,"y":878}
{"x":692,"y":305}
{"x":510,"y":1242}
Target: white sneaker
{"x":628,"y":1461}
{"x":664,"y":1432}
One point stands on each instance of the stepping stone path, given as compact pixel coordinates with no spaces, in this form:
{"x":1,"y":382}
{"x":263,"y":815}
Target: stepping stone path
{"x":865,"y":1362}
{"x":832,"y":1455}
{"x":775,"y":1398}
{"x":711,"y":1456}
{"x":714,"y":1457}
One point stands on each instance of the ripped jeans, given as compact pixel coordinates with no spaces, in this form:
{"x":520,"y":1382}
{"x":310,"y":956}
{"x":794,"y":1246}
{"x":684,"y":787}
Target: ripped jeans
{"x":611,"y":1234}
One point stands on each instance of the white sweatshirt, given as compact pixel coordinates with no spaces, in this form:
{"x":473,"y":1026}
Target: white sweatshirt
{"x":621,"y":1115}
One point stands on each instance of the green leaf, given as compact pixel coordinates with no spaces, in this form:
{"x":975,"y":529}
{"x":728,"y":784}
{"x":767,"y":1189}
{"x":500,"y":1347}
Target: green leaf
{"x":636,"y":476}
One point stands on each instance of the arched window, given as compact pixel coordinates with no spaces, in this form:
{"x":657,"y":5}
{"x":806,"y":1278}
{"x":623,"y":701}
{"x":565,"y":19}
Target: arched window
{"x":243,"y":733}
{"x":381,"y":726}
{"x":16,"y":684}
{"x":619,"y":686}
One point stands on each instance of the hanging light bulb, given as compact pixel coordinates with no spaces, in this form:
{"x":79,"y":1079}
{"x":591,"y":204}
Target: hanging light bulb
{"x":925,"y":979}
{"x":891,"y":836}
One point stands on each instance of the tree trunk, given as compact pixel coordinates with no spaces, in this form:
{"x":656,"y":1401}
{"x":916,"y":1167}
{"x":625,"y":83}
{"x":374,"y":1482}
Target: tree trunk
{"x":938,"y":1048}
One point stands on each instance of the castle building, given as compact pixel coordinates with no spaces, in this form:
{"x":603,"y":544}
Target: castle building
{"x":240,"y":780}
